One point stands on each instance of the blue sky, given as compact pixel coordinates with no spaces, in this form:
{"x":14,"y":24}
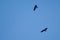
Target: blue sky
{"x":18,"y":21}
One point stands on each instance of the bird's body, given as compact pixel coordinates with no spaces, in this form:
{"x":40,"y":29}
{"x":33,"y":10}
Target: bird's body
{"x":35,"y":7}
{"x":44,"y":30}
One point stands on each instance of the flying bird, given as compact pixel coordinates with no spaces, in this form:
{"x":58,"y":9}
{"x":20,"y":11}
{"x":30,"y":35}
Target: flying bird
{"x":35,"y":7}
{"x":45,"y":29}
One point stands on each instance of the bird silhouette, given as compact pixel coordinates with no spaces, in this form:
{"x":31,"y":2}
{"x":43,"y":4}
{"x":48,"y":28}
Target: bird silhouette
{"x":45,"y":29}
{"x":35,"y":7}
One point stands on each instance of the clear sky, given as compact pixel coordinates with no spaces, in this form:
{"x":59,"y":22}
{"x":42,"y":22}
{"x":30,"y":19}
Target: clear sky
{"x":18,"y":21}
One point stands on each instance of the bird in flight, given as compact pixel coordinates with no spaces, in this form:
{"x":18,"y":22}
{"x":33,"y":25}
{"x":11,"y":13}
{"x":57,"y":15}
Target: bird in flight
{"x":45,"y":29}
{"x":35,"y":7}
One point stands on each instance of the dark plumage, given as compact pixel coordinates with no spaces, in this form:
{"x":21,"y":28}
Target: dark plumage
{"x":44,"y":29}
{"x":35,"y":7}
